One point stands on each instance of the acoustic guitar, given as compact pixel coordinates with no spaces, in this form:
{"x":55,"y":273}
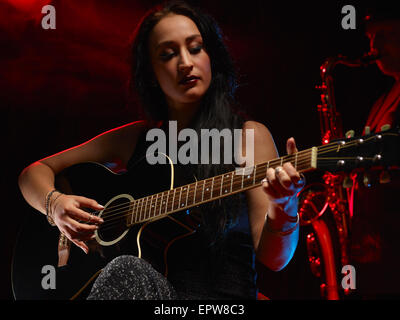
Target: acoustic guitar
{"x":145,"y":216}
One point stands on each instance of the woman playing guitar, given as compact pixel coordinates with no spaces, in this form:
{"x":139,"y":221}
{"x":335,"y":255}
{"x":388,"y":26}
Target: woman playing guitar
{"x":181,"y":71}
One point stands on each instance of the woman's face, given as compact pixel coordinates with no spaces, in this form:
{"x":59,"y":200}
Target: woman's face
{"x":180,"y":63}
{"x":384,"y":39}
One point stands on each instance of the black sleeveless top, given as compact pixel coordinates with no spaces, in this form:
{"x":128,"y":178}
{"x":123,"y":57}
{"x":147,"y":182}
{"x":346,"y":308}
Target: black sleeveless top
{"x":201,"y":269}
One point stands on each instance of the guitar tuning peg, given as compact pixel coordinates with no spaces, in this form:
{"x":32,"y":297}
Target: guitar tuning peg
{"x":367,"y":130}
{"x":384,"y":177}
{"x":349,"y":134}
{"x":347,"y":182}
{"x":385,"y":127}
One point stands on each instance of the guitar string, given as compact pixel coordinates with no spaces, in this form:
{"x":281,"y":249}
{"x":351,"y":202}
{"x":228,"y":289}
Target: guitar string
{"x":325,"y":148}
{"x":303,"y":154}
{"x":300,"y":161}
{"x":145,"y":210}
{"x":147,"y":215}
{"x":110,"y":223}
{"x":175,"y":202}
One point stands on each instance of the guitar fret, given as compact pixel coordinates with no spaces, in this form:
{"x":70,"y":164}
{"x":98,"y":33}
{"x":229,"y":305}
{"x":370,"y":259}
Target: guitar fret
{"x":226,"y":187}
{"x":232,"y":174}
{"x":151,"y":205}
{"x":131,"y":205}
{"x":295,"y":161}
{"x":146,"y":211}
{"x":212,"y":187}
{"x":180,"y":197}
{"x":207,"y":189}
{"x":173,"y":200}
{"x":187,"y":194}
{"x":134,"y":212}
{"x":137,"y":218}
{"x":202,"y":193}
{"x":222,"y":179}
{"x":161,"y":203}
{"x":195,"y":190}
{"x":156,"y":205}
{"x":166,"y":205}
{"x":149,"y":212}
{"x":143,"y":209}
{"x":242,"y":179}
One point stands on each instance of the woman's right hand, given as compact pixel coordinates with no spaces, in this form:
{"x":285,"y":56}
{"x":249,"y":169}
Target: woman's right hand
{"x":70,"y":219}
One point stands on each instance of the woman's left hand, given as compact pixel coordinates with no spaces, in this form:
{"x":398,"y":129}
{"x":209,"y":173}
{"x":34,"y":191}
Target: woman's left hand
{"x":284,"y":182}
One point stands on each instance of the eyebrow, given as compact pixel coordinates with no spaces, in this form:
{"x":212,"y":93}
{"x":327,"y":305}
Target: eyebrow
{"x":168,"y":42}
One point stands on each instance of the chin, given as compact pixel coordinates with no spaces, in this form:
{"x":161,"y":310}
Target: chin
{"x":192,"y":96}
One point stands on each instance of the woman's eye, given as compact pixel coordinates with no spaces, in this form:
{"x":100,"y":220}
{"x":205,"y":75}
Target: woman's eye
{"x":196,"y":49}
{"x":167,"y":55}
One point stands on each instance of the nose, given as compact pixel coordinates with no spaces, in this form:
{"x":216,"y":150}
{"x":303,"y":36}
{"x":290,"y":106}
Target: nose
{"x":185,"y":63}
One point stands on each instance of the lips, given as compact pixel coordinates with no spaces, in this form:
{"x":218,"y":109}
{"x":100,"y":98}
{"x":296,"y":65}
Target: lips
{"x":189,"y":79}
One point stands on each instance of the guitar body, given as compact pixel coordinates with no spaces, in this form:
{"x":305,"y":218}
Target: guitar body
{"x":35,"y":261}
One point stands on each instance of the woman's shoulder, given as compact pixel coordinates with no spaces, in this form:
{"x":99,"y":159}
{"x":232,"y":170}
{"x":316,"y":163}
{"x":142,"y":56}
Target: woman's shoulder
{"x":260,"y":130}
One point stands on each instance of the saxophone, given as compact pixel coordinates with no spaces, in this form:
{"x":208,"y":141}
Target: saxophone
{"x":335,"y":194}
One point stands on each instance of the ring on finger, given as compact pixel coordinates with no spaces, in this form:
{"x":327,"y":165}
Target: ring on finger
{"x":278,"y":170}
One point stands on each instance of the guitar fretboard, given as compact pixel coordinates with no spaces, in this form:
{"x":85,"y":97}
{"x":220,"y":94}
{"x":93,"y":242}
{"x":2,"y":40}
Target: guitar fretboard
{"x":210,"y":189}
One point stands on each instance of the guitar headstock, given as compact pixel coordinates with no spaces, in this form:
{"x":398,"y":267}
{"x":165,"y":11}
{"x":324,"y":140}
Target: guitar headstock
{"x":377,"y":150}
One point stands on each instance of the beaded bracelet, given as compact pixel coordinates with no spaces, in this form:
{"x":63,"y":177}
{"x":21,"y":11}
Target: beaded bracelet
{"x":47,"y":206}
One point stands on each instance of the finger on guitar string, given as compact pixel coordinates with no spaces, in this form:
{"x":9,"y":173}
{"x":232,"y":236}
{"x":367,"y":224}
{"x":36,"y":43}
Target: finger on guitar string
{"x":81,"y":215}
{"x":292,"y":173}
{"x":77,"y":238}
{"x":89,"y":203}
{"x":280,"y":183}
{"x":83,"y":202}
{"x":80,"y":227}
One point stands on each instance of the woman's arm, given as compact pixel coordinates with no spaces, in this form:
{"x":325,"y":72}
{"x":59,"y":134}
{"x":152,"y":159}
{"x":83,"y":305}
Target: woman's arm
{"x":37,"y":180}
{"x":276,"y":200}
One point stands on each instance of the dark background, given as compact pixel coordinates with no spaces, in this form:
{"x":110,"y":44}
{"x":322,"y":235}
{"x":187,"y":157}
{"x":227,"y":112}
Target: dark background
{"x":59,"y":88}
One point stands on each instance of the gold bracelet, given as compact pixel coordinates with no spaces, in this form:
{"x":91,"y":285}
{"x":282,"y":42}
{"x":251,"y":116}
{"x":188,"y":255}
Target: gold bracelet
{"x":281,"y":232}
{"x":47,"y":206}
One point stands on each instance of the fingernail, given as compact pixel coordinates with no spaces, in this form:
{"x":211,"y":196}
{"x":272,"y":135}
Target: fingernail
{"x":101,"y":206}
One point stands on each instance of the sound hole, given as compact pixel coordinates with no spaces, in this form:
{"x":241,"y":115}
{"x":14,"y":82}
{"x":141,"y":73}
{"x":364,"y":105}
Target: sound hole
{"x":115,"y":220}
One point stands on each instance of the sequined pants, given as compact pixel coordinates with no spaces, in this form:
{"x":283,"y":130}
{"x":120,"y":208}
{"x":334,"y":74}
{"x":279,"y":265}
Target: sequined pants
{"x":130,"y":278}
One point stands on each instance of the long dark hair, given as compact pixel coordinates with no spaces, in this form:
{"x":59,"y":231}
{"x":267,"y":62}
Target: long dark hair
{"x":219,"y":109}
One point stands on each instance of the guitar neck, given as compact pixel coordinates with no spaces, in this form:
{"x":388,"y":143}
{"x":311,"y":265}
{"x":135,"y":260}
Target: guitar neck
{"x":184,"y":197}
